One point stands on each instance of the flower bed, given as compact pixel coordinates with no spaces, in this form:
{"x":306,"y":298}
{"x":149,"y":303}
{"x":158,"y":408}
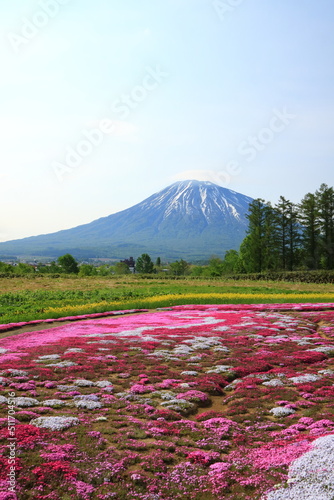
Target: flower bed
{"x":194,"y":403}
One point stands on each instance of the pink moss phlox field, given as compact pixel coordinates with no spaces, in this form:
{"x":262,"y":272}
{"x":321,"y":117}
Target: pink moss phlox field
{"x":188,"y":403}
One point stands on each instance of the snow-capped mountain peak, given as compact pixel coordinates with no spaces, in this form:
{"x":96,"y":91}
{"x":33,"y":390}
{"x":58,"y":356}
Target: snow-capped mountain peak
{"x":198,"y":199}
{"x":189,"y":219}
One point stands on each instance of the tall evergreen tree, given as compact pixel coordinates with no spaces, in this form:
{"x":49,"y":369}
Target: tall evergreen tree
{"x":325,"y":199}
{"x":258,"y":248}
{"x":294,"y":236}
{"x":252,"y":247}
{"x":288,"y":233}
{"x":310,"y":225}
{"x":271,"y":239}
{"x":282,"y":230}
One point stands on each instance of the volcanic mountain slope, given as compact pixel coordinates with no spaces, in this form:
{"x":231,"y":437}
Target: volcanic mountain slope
{"x":189,"y":219}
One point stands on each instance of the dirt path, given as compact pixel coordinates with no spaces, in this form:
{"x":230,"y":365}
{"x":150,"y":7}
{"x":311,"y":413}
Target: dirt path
{"x":322,"y":334}
{"x":56,"y":324}
{"x":34,"y":328}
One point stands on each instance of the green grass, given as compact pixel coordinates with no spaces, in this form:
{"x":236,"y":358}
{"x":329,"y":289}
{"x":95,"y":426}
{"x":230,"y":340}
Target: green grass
{"x":43,"y":298}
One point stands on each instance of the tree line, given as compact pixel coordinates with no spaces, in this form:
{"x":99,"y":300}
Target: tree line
{"x":290,"y":236}
{"x":67,"y":264}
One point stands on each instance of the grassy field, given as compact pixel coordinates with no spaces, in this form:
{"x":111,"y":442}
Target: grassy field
{"x":25,"y":299}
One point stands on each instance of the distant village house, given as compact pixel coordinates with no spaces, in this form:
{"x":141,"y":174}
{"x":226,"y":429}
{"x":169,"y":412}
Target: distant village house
{"x":131,"y":263}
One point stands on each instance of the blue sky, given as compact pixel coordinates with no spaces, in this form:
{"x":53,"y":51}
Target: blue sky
{"x":105,"y":102}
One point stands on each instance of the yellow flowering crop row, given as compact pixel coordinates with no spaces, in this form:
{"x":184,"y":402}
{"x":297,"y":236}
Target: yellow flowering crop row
{"x":244,"y":296}
{"x":202,"y":297}
{"x":78,"y":307}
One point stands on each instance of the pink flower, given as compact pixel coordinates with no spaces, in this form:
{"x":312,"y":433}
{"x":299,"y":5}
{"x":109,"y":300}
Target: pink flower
{"x":202,"y":457}
{"x":94,"y":434}
{"x":219,"y":467}
{"x":221,"y":426}
{"x":141,"y":389}
{"x":194,"y":396}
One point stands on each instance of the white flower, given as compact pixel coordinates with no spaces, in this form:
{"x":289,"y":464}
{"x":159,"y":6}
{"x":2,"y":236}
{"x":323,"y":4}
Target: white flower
{"x":167,"y":395}
{"x":88,"y":397}
{"x":302,"y":379}
{"x":221,"y":348}
{"x":87,"y":404}
{"x":67,"y":388}
{"x":178,"y":405}
{"x":323,"y":348}
{"x":17,"y":373}
{"x":183,"y":350}
{"x":63,"y":364}
{"x":48,"y":357}
{"x":161,"y":353}
{"x":83,"y":383}
{"x":220,"y":369}
{"x":281,"y":411}
{"x":54,"y":402}
{"x":274,"y":382}
{"x":326,"y":372}
{"x":21,"y":401}
{"x":55,"y":423}
{"x":103,"y":383}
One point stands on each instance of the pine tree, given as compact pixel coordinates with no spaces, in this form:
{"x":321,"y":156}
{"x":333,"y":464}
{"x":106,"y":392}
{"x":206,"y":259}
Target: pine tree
{"x":282,"y":220}
{"x":271,"y":239}
{"x":252,"y":247}
{"x":310,"y":226}
{"x":294,"y":236}
{"x":258,"y":248}
{"x":325,"y":200}
{"x":288,"y":232}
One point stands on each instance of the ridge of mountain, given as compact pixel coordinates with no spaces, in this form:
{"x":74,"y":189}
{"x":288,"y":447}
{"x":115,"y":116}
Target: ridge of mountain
{"x":188,"y":219}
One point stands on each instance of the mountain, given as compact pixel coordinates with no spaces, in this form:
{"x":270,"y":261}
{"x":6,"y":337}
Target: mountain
{"x":190,"y":219}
